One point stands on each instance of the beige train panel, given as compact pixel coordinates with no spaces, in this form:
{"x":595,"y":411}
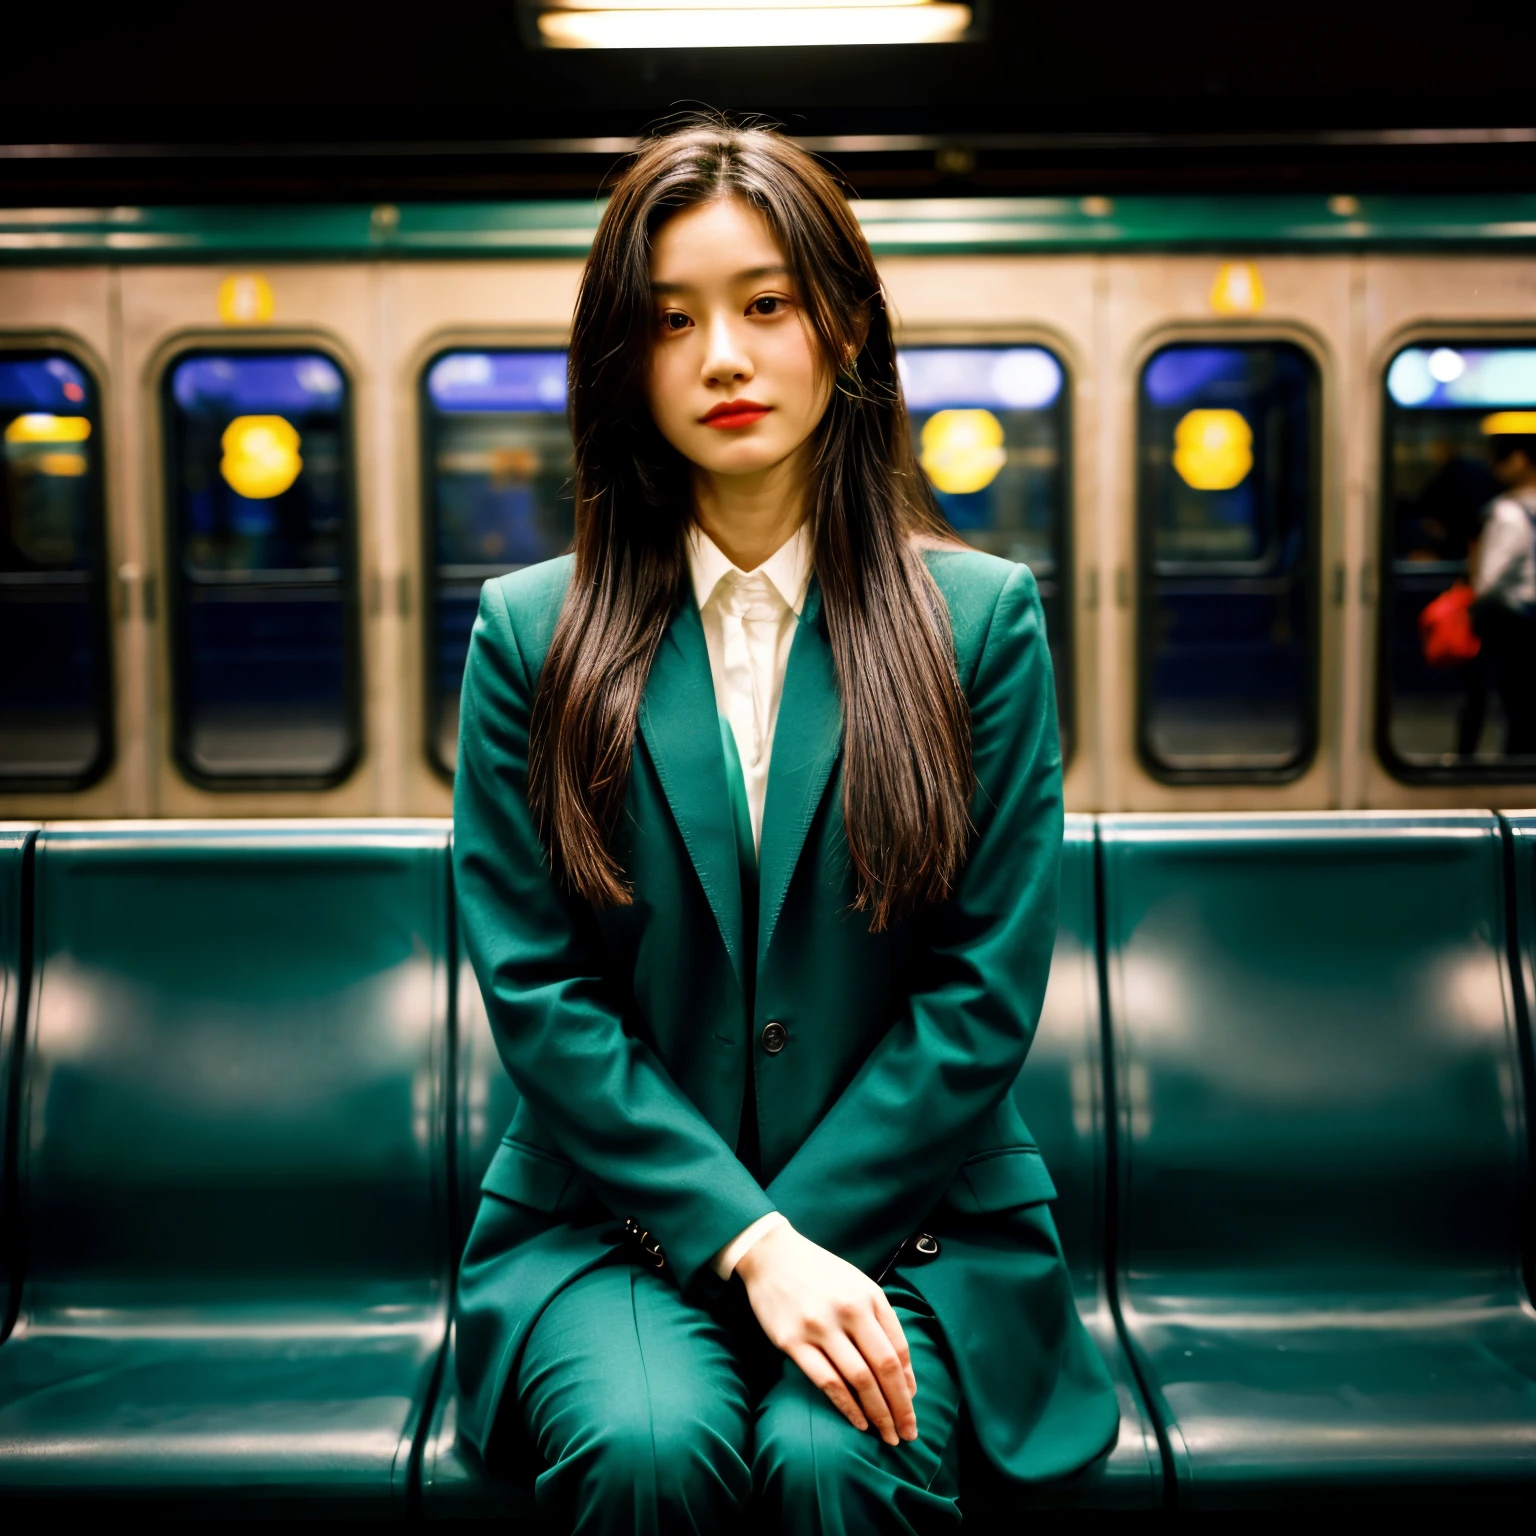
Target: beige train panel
{"x":1407,"y":299}
{"x":1147,"y":303}
{"x":1051,"y":301}
{"x":166,"y":310}
{"x":73,"y":308}
{"x":431,"y":307}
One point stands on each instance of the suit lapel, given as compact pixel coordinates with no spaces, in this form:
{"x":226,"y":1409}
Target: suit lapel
{"x":681,"y":727}
{"x":806,"y":742}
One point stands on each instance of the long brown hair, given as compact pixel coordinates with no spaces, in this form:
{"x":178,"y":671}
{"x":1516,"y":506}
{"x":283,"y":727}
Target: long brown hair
{"x":907,"y":774}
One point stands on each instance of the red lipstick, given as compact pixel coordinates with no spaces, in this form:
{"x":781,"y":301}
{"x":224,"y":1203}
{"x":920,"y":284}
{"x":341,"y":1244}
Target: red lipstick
{"x":735,"y":413}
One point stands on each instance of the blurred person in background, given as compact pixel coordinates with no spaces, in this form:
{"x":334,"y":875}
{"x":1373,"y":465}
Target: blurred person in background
{"x":1503,"y":570}
{"x":1441,"y":524}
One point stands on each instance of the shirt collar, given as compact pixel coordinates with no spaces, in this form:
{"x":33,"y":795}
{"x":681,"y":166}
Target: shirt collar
{"x":788,"y":568}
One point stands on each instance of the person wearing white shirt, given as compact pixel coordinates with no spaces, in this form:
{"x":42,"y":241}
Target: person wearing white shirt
{"x":1504,"y":589}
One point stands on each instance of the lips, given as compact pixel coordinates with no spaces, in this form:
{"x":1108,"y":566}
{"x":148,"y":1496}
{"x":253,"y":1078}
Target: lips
{"x":734,"y":413}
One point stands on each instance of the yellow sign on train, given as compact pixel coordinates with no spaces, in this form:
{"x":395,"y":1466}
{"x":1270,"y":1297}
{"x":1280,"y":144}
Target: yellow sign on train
{"x":245,"y":298}
{"x":962,"y":450}
{"x":1238,"y":289}
{"x":1212,"y":450}
{"x":261,"y":456}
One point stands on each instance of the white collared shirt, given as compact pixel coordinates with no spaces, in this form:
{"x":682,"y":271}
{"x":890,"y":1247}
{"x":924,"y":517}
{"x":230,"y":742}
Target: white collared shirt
{"x":749,"y":625}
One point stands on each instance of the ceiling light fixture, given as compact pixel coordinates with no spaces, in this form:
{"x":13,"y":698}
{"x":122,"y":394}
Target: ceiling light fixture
{"x":791,"y":24}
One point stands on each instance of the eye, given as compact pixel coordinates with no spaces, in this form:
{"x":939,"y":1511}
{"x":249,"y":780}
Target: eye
{"x":674,"y":320}
{"x":768,"y":304}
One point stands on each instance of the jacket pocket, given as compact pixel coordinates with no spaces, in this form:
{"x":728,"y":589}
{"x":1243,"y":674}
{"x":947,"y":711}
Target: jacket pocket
{"x":527,"y":1176}
{"x":1001,"y":1179}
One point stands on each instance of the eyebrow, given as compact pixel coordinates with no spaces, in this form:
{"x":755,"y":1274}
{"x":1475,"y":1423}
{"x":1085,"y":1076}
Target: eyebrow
{"x":736,"y":277}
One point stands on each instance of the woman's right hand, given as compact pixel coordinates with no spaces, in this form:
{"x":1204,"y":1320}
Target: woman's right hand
{"x":835,"y":1323}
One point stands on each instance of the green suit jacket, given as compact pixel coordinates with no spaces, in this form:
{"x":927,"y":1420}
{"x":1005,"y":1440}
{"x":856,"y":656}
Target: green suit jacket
{"x":888,"y":1109}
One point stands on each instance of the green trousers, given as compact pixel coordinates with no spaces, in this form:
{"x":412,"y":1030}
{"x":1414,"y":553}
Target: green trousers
{"x":653,"y":1414}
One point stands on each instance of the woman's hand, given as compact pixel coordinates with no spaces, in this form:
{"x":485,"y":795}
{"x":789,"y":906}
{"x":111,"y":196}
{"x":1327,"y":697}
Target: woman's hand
{"x":834,"y":1322}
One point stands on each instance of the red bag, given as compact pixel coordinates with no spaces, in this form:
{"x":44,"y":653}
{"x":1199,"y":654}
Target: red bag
{"x":1445,"y":628}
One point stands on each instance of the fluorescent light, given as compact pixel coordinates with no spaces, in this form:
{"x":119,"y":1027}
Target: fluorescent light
{"x":790,"y":25}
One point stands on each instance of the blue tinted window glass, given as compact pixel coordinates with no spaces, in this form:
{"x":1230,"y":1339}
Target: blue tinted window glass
{"x":55,"y":671}
{"x":989,"y":425}
{"x":1226,"y":511}
{"x":263,"y":573}
{"x":1459,"y":510}
{"x":498,"y":463}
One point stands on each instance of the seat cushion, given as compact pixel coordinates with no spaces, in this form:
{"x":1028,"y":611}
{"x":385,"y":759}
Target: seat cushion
{"x":324,"y":1413}
{"x":1312,"y":1406}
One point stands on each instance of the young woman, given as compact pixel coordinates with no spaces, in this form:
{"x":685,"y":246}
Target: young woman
{"x":757,"y":828}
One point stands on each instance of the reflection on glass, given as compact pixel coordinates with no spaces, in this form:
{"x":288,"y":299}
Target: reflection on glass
{"x":990,"y":429}
{"x":1459,"y":513}
{"x":499,"y":467}
{"x":55,"y":688}
{"x":263,"y":581}
{"x":1226,"y":477}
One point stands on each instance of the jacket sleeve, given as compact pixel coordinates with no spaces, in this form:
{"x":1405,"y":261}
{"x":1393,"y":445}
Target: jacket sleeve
{"x":888,"y":1147}
{"x":602,"y":1094}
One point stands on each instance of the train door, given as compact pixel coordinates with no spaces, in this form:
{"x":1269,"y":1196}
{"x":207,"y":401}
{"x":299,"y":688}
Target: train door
{"x":997,"y":368}
{"x":1448,"y":415}
{"x":484,"y":460}
{"x":71,"y":694}
{"x":254,"y":468}
{"x":1221,"y":498}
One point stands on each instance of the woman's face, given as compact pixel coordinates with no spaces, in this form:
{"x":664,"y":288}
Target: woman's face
{"x":736,"y":381}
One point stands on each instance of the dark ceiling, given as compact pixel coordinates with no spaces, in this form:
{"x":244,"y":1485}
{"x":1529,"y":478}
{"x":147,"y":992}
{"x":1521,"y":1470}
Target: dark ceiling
{"x":197,"y":104}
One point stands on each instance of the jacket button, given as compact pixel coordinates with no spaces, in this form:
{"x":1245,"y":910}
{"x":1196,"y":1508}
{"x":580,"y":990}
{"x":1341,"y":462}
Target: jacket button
{"x":774,"y":1037}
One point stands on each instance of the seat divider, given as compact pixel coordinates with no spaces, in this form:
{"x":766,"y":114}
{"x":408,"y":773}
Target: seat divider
{"x":13,"y":1253}
{"x":1520,"y":945}
{"x":1110,"y":1259}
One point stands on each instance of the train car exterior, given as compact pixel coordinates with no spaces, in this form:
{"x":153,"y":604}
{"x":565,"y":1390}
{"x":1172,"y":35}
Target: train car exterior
{"x":258,"y":462}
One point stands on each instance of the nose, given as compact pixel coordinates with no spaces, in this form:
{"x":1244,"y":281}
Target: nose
{"x":725,"y":357}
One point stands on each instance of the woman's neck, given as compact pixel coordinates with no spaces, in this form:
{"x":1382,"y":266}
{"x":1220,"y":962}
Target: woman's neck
{"x":751,"y":517}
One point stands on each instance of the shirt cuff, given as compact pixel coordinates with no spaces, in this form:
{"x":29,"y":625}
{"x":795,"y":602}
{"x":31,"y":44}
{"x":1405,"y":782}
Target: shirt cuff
{"x":726,"y":1260}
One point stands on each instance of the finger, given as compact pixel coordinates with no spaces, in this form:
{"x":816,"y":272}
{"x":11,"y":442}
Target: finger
{"x":820,"y":1373}
{"x":851,"y":1365}
{"x":883,"y":1360}
{"x":885,"y":1314}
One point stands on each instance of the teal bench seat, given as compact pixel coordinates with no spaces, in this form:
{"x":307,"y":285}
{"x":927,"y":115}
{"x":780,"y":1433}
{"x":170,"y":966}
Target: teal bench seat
{"x":1060,"y":1092}
{"x":1321,"y":1154}
{"x":233,"y":1166}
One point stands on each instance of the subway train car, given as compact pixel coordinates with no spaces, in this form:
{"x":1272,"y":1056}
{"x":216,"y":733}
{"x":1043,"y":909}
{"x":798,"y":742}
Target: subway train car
{"x":257,"y":467}
{"x":257,"y":464}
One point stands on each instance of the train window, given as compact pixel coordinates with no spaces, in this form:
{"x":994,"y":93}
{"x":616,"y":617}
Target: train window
{"x":990,"y":425}
{"x":263,"y":588}
{"x":1227,"y":446}
{"x":1457,"y":695}
{"x":498,"y":463}
{"x":55,"y":669}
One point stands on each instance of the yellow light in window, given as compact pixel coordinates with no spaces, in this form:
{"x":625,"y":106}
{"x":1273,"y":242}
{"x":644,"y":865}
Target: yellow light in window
{"x":261,"y":456}
{"x":962,"y":450}
{"x":1238,"y":289}
{"x":66,"y":466}
{"x":1213,"y":450}
{"x":1510,"y":424}
{"x":39,"y":427}
{"x":245,"y":298}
